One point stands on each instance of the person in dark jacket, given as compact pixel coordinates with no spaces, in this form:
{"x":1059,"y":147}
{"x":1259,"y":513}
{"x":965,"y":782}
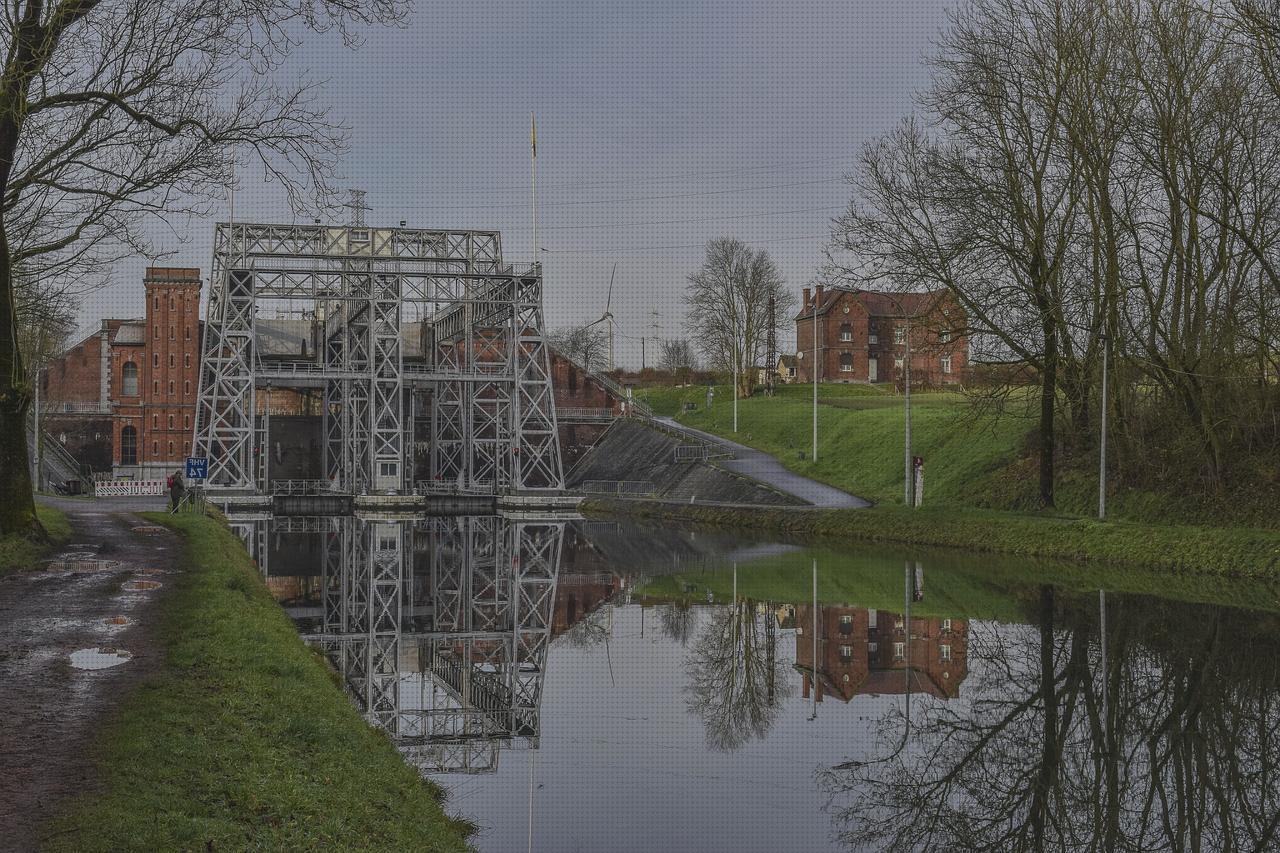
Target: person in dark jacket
{"x":176,"y":488}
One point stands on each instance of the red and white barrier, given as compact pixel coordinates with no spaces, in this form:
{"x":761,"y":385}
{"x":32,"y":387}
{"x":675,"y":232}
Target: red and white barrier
{"x":126,"y":488}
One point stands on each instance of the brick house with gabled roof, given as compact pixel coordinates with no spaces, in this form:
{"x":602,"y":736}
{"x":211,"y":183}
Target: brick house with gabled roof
{"x":862,"y":336}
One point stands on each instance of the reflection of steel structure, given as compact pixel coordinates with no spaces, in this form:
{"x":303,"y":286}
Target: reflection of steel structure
{"x":448,"y":659}
{"x":401,"y":331}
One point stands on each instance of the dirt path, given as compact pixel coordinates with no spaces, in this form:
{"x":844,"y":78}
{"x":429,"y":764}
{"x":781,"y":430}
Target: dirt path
{"x":115,"y":565}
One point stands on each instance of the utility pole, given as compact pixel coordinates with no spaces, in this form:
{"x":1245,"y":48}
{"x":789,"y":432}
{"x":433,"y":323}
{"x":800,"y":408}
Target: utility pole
{"x":771,"y":345}
{"x":908,"y":473}
{"x":1102,"y":442}
{"x":736,"y":359}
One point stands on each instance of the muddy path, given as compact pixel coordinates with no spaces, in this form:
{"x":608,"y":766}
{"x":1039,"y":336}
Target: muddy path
{"x":76,"y":634}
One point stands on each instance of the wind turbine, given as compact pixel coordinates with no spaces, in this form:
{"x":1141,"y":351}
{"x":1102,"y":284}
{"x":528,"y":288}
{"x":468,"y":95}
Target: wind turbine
{"x":607,"y":317}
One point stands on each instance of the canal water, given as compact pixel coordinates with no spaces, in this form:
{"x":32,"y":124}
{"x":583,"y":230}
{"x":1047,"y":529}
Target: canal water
{"x":584,"y":685}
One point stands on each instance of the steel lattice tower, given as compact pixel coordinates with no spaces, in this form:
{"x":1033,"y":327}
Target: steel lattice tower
{"x":477,"y":369}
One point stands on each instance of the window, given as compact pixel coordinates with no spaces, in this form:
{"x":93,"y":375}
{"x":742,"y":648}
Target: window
{"x":170,"y":386}
{"x":186,"y":388}
{"x":171,"y":333}
{"x":873,"y":647}
{"x":155,"y":359}
{"x":155,"y":449}
{"x":946,"y":652}
{"x":171,"y":449}
{"x":156,"y":302}
{"x":946,"y":364}
{"x":846,"y":620}
{"x":946,"y":626}
{"x":186,"y":332}
{"x":898,"y":362}
{"x":897,"y":623}
{"x":155,"y":331}
{"x":899,"y":651}
{"x":128,"y":446}
{"x":945,"y":336}
{"x":186,"y":421}
{"x":155,"y":387}
{"x":170,"y":421}
{"x":846,"y":332}
{"x":155,"y":422}
{"x":171,"y":359}
{"x":873,"y":338}
{"x":130,"y":376}
{"x":899,"y":334}
{"x":186,"y":360}
{"x":846,"y":653}
{"x":846,"y":361}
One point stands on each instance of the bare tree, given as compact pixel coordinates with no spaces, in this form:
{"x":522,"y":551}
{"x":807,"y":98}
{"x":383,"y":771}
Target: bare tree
{"x":677,"y":358}
{"x":584,"y":343}
{"x":729,"y":302}
{"x":116,"y":111}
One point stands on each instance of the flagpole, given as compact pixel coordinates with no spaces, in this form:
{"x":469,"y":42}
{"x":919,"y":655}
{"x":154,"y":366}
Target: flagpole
{"x":533,"y":180}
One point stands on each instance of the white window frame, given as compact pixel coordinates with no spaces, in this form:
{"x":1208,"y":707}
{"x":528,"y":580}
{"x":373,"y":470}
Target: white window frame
{"x":946,"y":364}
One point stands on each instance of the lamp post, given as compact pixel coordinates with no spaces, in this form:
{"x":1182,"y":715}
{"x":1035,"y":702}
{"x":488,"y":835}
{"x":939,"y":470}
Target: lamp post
{"x":736,"y":359}
{"x":815,"y":378}
{"x":908,"y":473}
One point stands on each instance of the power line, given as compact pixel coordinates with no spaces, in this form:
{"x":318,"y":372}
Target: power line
{"x":507,"y":205}
{"x":695,"y":219}
{"x":678,"y":246}
{"x":661,"y":178}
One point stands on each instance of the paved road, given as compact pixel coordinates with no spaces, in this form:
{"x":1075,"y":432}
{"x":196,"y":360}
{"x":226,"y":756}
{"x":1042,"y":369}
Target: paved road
{"x":767,"y":469}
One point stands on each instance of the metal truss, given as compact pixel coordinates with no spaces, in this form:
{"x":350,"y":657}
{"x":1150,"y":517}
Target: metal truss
{"x":479,"y":383}
{"x":447,"y":653}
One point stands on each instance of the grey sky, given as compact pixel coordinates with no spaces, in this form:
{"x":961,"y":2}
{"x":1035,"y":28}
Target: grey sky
{"x":741,"y":117}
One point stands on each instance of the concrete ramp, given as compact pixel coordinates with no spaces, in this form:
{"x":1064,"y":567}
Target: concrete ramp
{"x":635,"y":458}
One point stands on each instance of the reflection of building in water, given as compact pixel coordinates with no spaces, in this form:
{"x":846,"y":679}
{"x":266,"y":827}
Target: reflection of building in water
{"x":439,"y":628}
{"x":863,"y":651}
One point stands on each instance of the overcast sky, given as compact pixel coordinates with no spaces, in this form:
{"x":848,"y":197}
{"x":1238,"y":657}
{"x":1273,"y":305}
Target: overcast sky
{"x":660,"y":126}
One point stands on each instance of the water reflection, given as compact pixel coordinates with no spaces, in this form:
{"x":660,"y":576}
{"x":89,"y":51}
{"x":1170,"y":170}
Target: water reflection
{"x":674,"y":702}
{"x":1157,"y":732}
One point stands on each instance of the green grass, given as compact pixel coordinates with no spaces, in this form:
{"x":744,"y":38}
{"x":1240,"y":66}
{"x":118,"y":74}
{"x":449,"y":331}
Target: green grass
{"x":1208,"y":551}
{"x":244,"y":741}
{"x":860,"y":436}
{"x":17,"y":552}
{"x":991,"y":587}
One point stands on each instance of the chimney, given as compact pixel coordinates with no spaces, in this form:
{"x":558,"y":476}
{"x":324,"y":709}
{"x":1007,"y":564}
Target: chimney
{"x":818,"y":296}
{"x":806,"y":297}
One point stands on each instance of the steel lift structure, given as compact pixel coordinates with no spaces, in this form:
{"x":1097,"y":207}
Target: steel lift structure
{"x":425,"y":346}
{"x":439,"y":627}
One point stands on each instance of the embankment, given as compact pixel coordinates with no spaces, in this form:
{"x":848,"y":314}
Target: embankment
{"x":245,"y":741}
{"x":1229,"y":552}
{"x":633,"y":451}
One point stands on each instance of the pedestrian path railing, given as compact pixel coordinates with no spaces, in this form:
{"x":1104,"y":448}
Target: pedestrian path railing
{"x":619,"y":488}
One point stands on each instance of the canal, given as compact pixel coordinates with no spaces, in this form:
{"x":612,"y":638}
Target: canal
{"x":588,"y":685}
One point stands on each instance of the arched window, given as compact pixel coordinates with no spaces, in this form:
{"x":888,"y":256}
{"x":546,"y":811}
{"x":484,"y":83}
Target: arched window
{"x":170,"y":421}
{"x":128,"y":446}
{"x":846,"y":361}
{"x":846,"y":332}
{"x":129,"y":388}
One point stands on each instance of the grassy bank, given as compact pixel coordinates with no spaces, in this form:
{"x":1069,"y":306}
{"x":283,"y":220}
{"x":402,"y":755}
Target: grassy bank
{"x":997,"y":587}
{"x":245,"y":741}
{"x":18,"y":553}
{"x":1220,"y":552}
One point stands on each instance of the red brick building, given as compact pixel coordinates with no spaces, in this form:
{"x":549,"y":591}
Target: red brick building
{"x":863,"y":651}
{"x":862,"y":337}
{"x":132,"y":384}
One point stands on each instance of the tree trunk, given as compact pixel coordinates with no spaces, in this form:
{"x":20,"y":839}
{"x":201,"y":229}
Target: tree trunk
{"x":1048,"y":407}
{"x":17,"y":504}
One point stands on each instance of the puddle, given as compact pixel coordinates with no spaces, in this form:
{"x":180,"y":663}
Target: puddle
{"x":102,"y":657}
{"x":82,"y":565}
{"x":83,"y":546}
{"x":139,"y":586}
{"x":116,"y":621}
{"x":148,"y":529}
{"x":78,"y":555}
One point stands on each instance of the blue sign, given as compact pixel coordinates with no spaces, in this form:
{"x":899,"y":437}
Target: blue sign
{"x":197,"y":467}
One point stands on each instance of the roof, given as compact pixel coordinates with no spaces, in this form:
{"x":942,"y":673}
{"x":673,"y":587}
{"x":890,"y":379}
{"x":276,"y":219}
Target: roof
{"x":787,"y":360}
{"x":131,"y":332}
{"x":878,"y":303}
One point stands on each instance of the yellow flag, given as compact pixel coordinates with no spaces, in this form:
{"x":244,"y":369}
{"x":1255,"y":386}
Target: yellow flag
{"x":533,"y":134}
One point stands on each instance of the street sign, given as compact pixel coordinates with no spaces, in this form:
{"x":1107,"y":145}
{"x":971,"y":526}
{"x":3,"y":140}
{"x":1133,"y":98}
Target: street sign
{"x":197,"y":467}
